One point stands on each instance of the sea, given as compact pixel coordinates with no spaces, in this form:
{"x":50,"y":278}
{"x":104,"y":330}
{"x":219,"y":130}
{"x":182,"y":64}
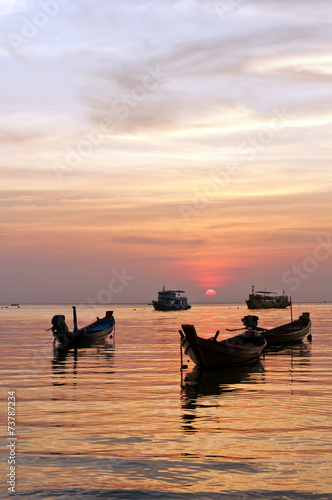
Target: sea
{"x":122,"y":420}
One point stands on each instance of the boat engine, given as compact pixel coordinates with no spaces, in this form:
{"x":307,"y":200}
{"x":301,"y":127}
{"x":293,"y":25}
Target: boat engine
{"x":250,"y":322}
{"x":60,"y":330}
{"x":59,"y":324}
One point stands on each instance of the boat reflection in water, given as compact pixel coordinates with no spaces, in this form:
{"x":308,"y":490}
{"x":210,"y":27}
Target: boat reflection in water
{"x":215,"y":382}
{"x":225,"y":387}
{"x":199,"y":388}
{"x":70,"y":365}
{"x":298,"y":364}
{"x":298,"y":350}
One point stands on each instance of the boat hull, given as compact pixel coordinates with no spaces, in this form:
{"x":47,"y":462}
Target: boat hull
{"x":207,"y":353}
{"x":290,"y":332}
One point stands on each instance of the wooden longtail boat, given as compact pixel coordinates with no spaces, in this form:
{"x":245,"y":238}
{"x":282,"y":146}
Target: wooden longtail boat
{"x":238,"y":350}
{"x":295,"y":331}
{"x":98,"y":330}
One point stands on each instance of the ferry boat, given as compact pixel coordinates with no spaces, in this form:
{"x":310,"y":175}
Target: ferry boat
{"x":171,"y":300}
{"x":267,"y":300}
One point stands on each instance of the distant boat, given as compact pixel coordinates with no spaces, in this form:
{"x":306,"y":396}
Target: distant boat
{"x":267,"y":300}
{"x":241,"y":349}
{"x":170,"y":300}
{"x":98,"y":330}
{"x":295,"y":331}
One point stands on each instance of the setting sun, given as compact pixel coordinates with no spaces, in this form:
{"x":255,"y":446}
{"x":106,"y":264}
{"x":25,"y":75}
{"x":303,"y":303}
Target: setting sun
{"x":210,"y":292}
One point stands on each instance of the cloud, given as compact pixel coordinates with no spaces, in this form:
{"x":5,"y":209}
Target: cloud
{"x":7,"y":137}
{"x":134,"y":240}
{"x":219,"y":81}
{"x":207,"y":72}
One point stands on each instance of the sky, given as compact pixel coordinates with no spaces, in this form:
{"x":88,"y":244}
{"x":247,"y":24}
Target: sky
{"x":182,"y":142}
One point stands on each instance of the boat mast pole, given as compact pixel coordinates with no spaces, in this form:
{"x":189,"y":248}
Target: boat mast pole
{"x":181,"y":353}
{"x":75,"y":319}
{"x":291,"y":310}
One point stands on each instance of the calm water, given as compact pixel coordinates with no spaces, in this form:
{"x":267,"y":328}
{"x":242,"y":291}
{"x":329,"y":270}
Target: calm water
{"x":118,"y":422}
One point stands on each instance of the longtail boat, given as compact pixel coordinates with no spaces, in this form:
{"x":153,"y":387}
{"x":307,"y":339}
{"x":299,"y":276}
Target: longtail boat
{"x":98,"y":330}
{"x":294,"y":331}
{"x":243,"y":348}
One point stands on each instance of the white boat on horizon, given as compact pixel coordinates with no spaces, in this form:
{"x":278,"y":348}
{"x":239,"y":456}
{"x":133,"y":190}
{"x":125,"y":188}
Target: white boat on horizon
{"x":171,"y":300}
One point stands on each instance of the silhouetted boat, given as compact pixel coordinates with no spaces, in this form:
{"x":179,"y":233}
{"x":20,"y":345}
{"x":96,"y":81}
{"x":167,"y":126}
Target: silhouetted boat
{"x":267,"y":300}
{"x":243,"y":348}
{"x":171,"y":300}
{"x":98,"y":330}
{"x":295,"y":331}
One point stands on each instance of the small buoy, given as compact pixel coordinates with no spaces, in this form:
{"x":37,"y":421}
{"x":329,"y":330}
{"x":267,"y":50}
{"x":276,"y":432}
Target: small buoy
{"x":309,"y":337}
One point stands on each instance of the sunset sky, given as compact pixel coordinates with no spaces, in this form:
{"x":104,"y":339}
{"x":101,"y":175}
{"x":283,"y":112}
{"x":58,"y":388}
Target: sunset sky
{"x":185,"y":142}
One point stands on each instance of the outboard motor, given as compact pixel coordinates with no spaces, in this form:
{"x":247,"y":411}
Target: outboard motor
{"x":59,"y":324}
{"x":250,"y":322}
{"x":62,"y":335}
